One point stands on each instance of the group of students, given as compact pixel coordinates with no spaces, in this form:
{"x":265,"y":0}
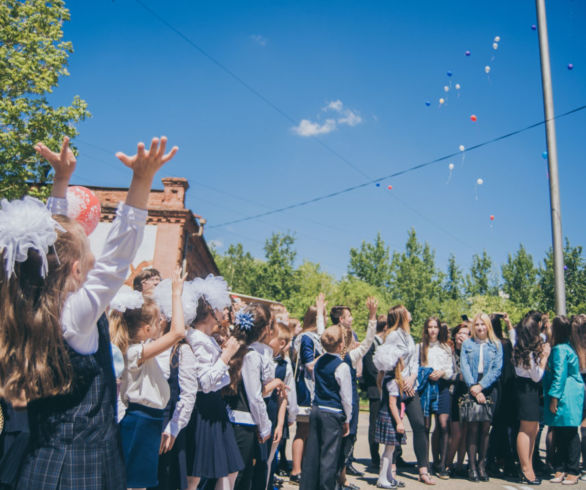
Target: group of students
{"x":169,"y":384}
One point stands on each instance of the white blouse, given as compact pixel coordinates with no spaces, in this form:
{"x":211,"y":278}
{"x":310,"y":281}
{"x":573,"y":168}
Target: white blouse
{"x":292,"y":408}
{"x":211,"y":372}
{"x":359,"y":352}
{"x":411,"y":359}
{"x":144,"y":383}
{"x":83,"y":308}
{"x":251,"y":377}
{"x":268,"y":363}
{"x":535,"y":371}
{"x":440,"y":358}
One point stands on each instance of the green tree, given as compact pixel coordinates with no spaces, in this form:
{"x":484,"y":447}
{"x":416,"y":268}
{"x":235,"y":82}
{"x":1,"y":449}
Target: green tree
{"x":479,"y":280}
{"x":239,"y":268}
{"x":454,"y":280}
{"x":278,"y":278}
{"x":575,"y":278}
{"x":371,"y":263}
{"x":520,"y":278}
{"x":33,"y":55}
{"x":311,"y":281}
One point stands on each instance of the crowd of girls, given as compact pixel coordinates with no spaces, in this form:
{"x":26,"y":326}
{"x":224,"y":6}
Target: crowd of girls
{"x":170,"y":384}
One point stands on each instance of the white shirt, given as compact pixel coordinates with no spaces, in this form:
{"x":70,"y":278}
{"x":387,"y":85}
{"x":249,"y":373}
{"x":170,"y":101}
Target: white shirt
{"x":187,"y":391}
{"x":251,"y":377}
{"x":344,"y":379}
{"x":481,"y":356}
{"x":393,"y":388}
{"x":83,"y":308}
{"x":292,"y":408}
{"x":439,"y":358}
{"x":211,"y":372}
{"x":268,"y":363}
{"x":144,"y":383}
{"x":535,"y":372}
{"x":411,"y":359}
{"x":164,"y":361}
{"x":357,"y":354}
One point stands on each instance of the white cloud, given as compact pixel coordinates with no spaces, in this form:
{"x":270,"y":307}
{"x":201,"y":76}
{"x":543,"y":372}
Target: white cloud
{"x":309,"y":128}
{"x":344,"y":116}
{"x":260,"y":40}
{"x":216,"y":244}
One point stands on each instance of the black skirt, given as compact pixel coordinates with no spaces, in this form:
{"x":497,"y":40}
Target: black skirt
{"x":459,"y":388}
{"x":527,"y":398}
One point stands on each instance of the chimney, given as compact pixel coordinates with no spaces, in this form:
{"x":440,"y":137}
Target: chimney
{"x":174,"y":192}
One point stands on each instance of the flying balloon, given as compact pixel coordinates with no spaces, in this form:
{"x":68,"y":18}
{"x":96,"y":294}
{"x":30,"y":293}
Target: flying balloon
{"x":451,"y":166}
{"x":492,"y":217}
{"x":378,"y":184}
{"x":487,"y":69}
{"x":544,"y":155}
{"x":533,"y":27}
{"x":473,"y":118}
{"x":497,"y":39}
{"x":467,"y":53}
{"x":479,"y":181}
{"x":449,"y":73}
{"x":446,"y":88}
{"x":495,"y":46}
{"x":84,"y":207}
{"x":570,"y":66}
{"x":458,"y":86}
{"x":461,"y":147}
{"x":427,"y":103}
{"x":441,"y":101}
{"x":390,"y":187}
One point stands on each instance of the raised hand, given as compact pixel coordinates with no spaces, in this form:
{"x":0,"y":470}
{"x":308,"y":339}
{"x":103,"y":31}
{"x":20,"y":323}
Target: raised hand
{"x":320,"y":303}
{"x":177,"y":280}
{"x":147,"y":163}
{"x":63,"y":164}
{"x":372,"y":305}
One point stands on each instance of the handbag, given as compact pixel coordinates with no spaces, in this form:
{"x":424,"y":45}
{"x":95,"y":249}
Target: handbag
{"x":472,"y":411}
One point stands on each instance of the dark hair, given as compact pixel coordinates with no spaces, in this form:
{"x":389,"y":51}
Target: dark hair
{"x":442,"y":337}
{"x":579,"y":338}
{"x":497,"y":325}
{"x":261,"y":315}
{"x":204,"y":310}
{"x":310,"y":318}
{"x":529,"y":343}
{"x":144,"y":275}
{"x":336,"y":313}
{"x":561,"y":330}
{"x":381,"y":323}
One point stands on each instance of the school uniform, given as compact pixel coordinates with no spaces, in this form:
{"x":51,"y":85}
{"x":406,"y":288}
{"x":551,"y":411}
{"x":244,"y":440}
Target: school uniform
{"x":248,"y":413}
{"x":439,"y":358}
{"x":75,"y":442}
{"x":527,"y":390}
{"x":369,"y":379}
{"x":308,"y":347}
{"x":145,"y":394}
{"x":332,"y":407}
{"x":211,"y":447}
{"x":179,"y":370}
{"x":14,"y":439}
{"x":386,"y":426}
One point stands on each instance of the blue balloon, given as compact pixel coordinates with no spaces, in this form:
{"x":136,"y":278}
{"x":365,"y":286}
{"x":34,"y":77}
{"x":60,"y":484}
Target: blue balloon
{"x":449,"y":73}
{"x":378,"y":184}
{"x":544,"y":155}
{"x":427,"y":103}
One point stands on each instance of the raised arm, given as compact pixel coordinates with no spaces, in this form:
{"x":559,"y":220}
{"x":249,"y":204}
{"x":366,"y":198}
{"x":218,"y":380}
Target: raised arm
{"x":360,"y":351}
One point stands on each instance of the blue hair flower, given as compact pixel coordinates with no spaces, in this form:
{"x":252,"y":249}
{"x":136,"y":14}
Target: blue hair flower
{"x":244,"y":320}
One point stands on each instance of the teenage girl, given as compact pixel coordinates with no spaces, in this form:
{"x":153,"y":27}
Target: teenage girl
{"x":54,"y":294}
{"x":144,"y":389}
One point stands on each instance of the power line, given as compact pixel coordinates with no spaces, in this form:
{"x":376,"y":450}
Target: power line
{"x":246,"y":85}
{"x":395,"y":174}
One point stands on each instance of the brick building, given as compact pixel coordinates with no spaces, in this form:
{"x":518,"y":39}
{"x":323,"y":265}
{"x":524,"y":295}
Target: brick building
{"x":173,"y":234}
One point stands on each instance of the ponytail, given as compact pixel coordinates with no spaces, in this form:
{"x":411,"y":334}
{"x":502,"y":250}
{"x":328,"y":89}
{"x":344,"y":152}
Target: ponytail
{"x":124,"y":326}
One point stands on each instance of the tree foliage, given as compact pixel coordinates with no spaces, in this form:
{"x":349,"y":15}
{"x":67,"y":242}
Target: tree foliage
{"x":371,"y":263}
{"x":33,"y":55}
{"x":520,"y":278}
{"x":478,"y":280}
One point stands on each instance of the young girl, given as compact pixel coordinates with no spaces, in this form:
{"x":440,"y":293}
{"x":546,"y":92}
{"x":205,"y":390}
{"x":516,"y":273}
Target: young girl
{"x":212,"y":452}
{"x":563,"y":388}
{"x":579,"y":343}
{"x":244,"y":394}
{"x":435,"y":356}
{"x":144,"y":390}
{"x":53,"y":299}
{"x":390,"y":430}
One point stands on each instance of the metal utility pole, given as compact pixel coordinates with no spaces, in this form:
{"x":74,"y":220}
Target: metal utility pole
{"x":552,"y":157}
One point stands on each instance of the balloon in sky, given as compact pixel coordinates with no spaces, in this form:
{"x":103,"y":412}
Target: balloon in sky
{"x":390,"y":187}
{"x":492,"y":217}
{"x":467,"y":53}
{"x":487,"y":69}
{"x":495,"y":46}
{"x":461,"y":147}
{"x":449,"y":73}
{"x":458,"y":86}
{"x":378,"y":184}
{"x":533,"y":27}
{"x":544,"y":155}
{"x":570,"y":66}
{"x":473,"y":118}
{"x":497,"y":39}
{"x":451,"y":166}
{"x":441,"y":101}
{"x":479,"y":181}
{"x":427,"y":103}
{"x":84,"y":207}
{"x":446,"y":88}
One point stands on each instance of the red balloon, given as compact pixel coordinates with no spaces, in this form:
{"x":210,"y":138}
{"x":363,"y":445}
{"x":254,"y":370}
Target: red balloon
{"x":84,"y":207}
{"x":390,"y":187}
{"x":473,"y":118}
{"x":492,"y":217}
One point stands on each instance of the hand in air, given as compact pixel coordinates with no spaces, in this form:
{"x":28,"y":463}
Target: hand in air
{"x":177,"y":280}
{"x":63,"y":162}
{"x":147,"y":163}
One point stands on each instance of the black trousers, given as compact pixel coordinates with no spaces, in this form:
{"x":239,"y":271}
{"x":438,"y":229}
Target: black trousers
{"x":373,"y":408}
{"x":247,"y":439}
{"x":415,"y":415}
{"x":566,"y":450}
{"x":322,"y":450}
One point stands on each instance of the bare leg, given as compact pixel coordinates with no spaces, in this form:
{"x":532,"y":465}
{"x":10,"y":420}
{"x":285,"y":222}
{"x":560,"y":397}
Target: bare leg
{"x":226,"y":482}
{"x":525,"y":446}
{"x":192,"y":482}
{"x":298,"y":446}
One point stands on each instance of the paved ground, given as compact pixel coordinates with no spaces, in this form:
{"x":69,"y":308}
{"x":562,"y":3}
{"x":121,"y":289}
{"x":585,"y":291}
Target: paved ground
{"x":410,"y":475}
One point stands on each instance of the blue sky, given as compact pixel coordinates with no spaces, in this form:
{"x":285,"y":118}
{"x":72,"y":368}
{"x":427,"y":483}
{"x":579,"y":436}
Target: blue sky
{"x":359,"y":74}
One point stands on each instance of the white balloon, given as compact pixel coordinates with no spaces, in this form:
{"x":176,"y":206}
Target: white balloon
{"x":497,"y":39}
{"x":479,"y":181}
{"x":441,"y":101}
{"x":446,"y":88}
{"x":487,"y":69}
{"x":451,"y":166}
{"x":461,"y":147}
{"x":495,"y":46}
{"x":458,"y":86}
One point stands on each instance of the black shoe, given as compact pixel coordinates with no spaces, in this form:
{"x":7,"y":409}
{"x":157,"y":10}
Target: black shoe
{"x":526,"y":481}
{"x":278,"y":482}
{"x":351,"y":470}
{"x":493,"y":470}
{"x":373,"y":468}
{"x":401,"y":463}
{"x":350,"y":486}
{"x":443,"y":474}
{"x":473,"y":475}
{"x":295,"y":479}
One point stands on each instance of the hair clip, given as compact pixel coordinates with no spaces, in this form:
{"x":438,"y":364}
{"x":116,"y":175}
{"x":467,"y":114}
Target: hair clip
{"x":244,"y":320}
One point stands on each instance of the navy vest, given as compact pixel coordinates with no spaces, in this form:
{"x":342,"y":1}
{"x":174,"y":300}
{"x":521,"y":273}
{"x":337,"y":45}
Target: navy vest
{"x":355,"y":398}
{"x":327,"y":389}
{"x":173,"y":385}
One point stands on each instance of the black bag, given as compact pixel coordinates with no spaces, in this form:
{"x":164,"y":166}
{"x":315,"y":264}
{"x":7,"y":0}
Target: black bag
{"x":472,"y":411}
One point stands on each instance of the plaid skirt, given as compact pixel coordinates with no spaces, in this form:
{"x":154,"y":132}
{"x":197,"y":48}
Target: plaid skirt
{"x":385,"y":432}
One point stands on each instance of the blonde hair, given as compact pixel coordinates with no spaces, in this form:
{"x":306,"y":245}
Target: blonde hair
{"x":484,"y":318}
{"x":124,"y":326}
{"x":332,"y":338}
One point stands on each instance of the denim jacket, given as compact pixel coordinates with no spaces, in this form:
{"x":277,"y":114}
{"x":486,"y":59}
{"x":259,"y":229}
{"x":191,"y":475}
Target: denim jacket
{"x":493,"y":362}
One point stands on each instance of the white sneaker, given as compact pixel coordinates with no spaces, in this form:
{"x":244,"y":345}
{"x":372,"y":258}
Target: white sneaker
{"x":385,"y":484}
{"x":583,"y":476}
